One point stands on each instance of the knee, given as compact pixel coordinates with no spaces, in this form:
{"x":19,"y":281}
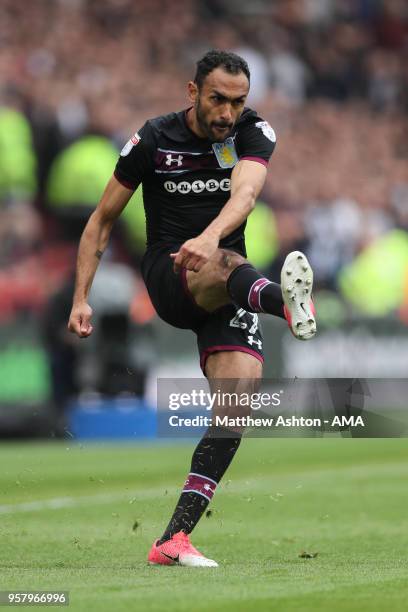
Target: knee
{"x":227,"y":262}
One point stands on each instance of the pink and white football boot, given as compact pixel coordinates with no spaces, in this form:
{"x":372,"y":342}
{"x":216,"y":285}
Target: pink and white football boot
{"x":178,"y":551}
{"x":296,"y":285}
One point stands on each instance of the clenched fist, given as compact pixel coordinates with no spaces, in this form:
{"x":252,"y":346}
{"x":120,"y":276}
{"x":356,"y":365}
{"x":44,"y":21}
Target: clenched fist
{"x":80,"y":320}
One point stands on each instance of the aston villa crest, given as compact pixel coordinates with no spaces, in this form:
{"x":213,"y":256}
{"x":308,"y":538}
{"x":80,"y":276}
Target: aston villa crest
{"x":225,"y":153}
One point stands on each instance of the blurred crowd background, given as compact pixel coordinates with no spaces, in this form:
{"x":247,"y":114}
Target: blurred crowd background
{"x":78,"y":77}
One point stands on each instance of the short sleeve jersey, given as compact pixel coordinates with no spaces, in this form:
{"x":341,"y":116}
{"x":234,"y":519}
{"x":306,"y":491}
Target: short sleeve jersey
{"x":186,"y":179}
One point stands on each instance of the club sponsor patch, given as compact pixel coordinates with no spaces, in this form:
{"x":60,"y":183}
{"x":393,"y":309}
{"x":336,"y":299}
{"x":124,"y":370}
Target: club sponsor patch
{"x":130,"y":144}
{"x":267,"y":130}
{"x":198,"y":186}
{"x":225,"y":153}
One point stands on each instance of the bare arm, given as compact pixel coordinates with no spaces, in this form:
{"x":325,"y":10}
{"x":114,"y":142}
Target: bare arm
{"x":247,"y":180}
{"x":93,"y":242}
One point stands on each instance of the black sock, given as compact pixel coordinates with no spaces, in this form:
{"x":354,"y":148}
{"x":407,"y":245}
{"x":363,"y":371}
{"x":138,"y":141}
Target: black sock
{"x":253,"y":292}
{"x":211,"y":459}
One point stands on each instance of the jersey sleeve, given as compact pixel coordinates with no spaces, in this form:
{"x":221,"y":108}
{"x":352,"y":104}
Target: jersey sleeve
{"x":136,"y":159}
{"x":256,"y":141}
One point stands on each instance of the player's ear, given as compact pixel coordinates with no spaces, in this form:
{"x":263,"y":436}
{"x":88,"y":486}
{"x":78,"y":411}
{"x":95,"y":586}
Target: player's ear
{"x":192,"y":90}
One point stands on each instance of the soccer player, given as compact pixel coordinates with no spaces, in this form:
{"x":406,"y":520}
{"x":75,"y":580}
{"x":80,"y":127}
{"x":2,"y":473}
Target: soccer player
{"x":202,"y":170}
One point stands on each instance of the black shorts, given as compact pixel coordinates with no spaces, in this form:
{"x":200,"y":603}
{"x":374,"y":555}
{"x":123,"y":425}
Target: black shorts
{"x":229,"y":328}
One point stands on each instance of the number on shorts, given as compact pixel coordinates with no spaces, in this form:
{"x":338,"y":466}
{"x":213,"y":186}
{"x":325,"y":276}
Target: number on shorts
{"x":236,"y":321}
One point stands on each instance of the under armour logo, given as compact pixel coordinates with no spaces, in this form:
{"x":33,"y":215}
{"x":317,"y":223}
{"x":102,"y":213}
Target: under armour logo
{"x":251,"y":340}
{"x":173,"y":160}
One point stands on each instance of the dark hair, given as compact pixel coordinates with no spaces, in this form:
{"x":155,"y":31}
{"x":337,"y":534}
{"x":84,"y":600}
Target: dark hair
{"x":230,"y":62}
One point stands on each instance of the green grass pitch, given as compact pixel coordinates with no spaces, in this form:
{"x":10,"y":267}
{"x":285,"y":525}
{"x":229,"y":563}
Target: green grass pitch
{"x":100,"y":507}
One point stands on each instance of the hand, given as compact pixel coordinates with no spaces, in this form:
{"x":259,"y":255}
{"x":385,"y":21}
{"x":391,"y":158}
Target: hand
{"x":80,"y":320}
{"x":195,"y":253}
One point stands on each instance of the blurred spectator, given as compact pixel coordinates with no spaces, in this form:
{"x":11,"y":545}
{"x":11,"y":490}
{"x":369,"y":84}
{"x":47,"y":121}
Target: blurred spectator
{"x":375,"y":281}
{"x":17,"y":156}
{"x":384,"y":80}
{"x":391,"y":25}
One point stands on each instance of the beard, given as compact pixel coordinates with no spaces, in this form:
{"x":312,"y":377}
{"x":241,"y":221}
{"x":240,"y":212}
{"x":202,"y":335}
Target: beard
{"x":208,"y":128}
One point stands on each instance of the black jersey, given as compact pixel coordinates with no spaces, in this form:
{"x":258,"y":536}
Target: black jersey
{"x":186,"y":179}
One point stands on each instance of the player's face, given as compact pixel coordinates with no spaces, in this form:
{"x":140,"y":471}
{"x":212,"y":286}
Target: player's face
{"x":219,"y":103}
